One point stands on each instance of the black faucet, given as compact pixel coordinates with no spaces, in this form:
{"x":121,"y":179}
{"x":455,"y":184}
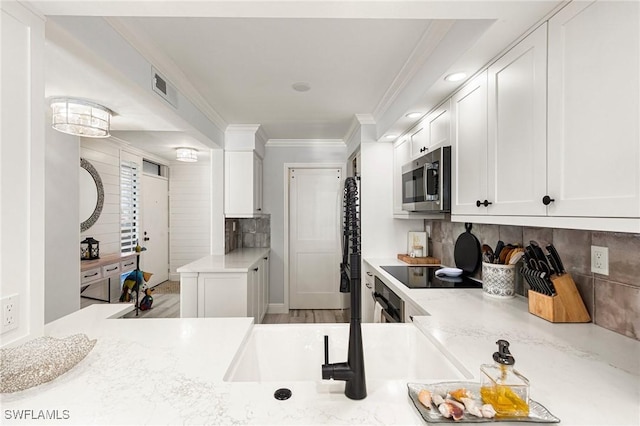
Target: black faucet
{"x":352,"y":371}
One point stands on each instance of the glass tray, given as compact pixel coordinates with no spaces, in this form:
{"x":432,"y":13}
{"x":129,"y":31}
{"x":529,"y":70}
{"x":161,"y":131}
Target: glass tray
{"x":537,"y":412}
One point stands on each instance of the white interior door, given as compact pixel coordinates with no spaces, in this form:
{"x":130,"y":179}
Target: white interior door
{"x":315,"y":202}
{"x":155,"y":228}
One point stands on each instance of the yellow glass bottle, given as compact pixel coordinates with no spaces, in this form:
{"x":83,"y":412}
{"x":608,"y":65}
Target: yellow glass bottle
{"x":503,"y":387}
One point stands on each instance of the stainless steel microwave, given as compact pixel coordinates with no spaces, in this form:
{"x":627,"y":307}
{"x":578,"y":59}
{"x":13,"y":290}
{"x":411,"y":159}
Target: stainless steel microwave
{"x":426,"y":182}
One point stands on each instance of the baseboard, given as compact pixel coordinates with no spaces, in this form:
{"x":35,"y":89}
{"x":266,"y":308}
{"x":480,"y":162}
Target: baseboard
{"x":277,"y":308}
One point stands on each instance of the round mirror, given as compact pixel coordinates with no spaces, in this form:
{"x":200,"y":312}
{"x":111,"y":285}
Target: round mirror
{"x":91,"y":195}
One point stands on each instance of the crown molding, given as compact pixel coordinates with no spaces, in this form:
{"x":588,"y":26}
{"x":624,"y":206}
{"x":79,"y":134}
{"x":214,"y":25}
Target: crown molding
{"x":140,"y":41}
{"x":324,"y":143}
{"x":253,"y":128}
{"x":430,"y":39}
{"x":357,"y":122}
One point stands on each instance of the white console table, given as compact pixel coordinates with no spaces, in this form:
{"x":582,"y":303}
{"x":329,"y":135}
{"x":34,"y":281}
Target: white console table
{"x":107,"y":267}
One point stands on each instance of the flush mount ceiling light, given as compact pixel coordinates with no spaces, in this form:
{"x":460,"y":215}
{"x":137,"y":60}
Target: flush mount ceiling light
{"x":80,"y":117}
{"x":456,"y":76}
{"x":413,"y":115}
{"x":188,"y":155}
{"x":301,"y":87}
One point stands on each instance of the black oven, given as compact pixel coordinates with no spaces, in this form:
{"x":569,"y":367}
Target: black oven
{"x":392,"y":304}
{"x":426,"y":182}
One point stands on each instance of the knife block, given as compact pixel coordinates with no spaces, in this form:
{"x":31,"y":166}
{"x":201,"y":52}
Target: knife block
{"x":565,"y":306}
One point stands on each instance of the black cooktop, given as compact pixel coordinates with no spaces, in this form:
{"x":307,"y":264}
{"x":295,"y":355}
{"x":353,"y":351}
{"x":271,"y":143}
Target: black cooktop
{"x":424,"y":277}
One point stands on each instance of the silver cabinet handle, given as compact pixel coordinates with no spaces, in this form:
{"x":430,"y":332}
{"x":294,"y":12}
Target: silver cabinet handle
{"x":369,"y":273}
{"x":368,"y":285}
{"x":92,"y":275}
{"x":112,"y":269}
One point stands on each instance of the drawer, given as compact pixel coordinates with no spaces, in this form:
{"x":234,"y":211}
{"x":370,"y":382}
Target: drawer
{"x":111,"y":269}
{"x":128,"y":265}
{"x":91,"y":275}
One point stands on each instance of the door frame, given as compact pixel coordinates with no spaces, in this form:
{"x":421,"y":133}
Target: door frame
{"x":287,"y":168}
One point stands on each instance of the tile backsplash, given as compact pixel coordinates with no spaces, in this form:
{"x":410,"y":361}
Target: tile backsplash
{"x":613,"y":301}
{"x":252,"y":232}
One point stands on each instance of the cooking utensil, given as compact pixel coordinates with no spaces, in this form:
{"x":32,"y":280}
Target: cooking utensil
{"x":496,"y":252}
{"x":516,"y":256}
{"x":487,"y":253}
{"x":556,"y":257}
{"x":467,"y":251}
{"x":503,"y":255}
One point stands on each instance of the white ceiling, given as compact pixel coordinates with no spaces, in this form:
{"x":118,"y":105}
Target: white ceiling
{"x":383,"y":58}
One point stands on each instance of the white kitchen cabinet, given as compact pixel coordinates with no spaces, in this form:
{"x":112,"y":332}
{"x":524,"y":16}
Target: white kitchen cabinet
{"x":469,"y":139}
{"x":411,"y":310}
{"x":433,"y":130}
{"x":517,"y":129}
{"x":368,"y":287}
{"x":243,"y":184}
{"x":594,"y":110}
{"x":231,"y":294}
{"x":401,"y":156}
{"x":264,"y":287}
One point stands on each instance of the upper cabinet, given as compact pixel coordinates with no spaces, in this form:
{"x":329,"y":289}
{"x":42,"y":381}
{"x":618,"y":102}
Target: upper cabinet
{"x":548,"y":134}
{"x":244,"y":150}
{"x":242,"y":184}
{"x":594,"y":161}
{"x":433,"y":130}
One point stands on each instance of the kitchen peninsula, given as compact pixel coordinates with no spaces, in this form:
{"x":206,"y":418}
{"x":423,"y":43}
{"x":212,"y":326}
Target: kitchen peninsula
{"x":170,"y":371}
{"x":231,"y":285}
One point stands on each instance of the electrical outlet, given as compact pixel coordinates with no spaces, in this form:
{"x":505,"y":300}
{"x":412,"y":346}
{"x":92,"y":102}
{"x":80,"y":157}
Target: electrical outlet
{"x":600,"y":260}
{"x":10,"y":313}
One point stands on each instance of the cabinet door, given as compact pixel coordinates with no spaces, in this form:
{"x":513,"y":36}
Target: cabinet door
{"x":517,"y":148}
{"x":367,"y":296}
{"x":401,"y":156}
{"x":419,"y":140}
{"x":439,"y":125}
{"x":223,"y":295}
{"x":257,"y":183}
{"x":255,"y":300}
{"x":264,"y":287}
{"x":469,"y":147}
{"x":410,"y":311}
{"x":593,"y":110}
{"x":239,"y":183}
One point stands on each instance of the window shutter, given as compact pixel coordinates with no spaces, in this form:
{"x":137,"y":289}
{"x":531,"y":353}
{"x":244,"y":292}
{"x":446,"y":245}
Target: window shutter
{"x":129,"y":199}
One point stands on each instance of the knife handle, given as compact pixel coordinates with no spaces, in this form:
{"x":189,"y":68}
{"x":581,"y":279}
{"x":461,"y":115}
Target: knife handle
{"x":554,"y":253}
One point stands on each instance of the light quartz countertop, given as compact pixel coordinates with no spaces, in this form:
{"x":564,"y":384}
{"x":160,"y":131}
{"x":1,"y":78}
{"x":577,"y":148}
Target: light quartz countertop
{"x":239,"y":260}
{"x":170,"y":371}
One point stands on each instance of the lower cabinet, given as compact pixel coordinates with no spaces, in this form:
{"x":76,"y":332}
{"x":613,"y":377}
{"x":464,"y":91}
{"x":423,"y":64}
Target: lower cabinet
{"x":410,"y":311}
{"x":226,"y":294}
{"x":367,"y":296}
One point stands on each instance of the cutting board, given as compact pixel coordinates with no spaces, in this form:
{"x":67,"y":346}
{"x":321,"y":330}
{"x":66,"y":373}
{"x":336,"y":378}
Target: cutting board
{"x":419,"y":260}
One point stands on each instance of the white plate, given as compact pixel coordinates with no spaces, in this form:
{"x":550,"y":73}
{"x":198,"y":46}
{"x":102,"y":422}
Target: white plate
{"x":449,"y":272}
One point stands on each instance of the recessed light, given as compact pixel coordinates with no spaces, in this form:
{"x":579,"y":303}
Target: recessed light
{"x":456,"y":76}
{"x":391,"y":136}
{"x":413,"y":115}
{"x":301,"y":86}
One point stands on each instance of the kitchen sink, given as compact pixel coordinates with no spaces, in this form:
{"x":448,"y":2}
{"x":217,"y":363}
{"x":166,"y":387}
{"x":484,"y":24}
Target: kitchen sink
{"x":295,"y":352}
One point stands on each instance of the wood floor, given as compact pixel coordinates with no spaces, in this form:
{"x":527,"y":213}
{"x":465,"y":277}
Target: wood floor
{"x":166,"y":304}
{"x":299,"y":316}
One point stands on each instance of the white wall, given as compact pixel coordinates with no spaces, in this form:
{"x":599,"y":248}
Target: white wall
{"x":22,"y":167}
{"x":62,"y":224}
{"x":382,"y":235}
{"x":273,"y":195}
{"x":105,"y":157}
{"x":190,"y":194}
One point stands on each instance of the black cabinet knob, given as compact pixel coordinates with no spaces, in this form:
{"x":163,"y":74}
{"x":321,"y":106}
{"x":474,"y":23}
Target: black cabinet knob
{"x":546,"y":200}
{"x":484,"y":203}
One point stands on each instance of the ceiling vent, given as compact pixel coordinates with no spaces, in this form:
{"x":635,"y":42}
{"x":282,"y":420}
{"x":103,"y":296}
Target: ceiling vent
{"x":163,"y":88}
